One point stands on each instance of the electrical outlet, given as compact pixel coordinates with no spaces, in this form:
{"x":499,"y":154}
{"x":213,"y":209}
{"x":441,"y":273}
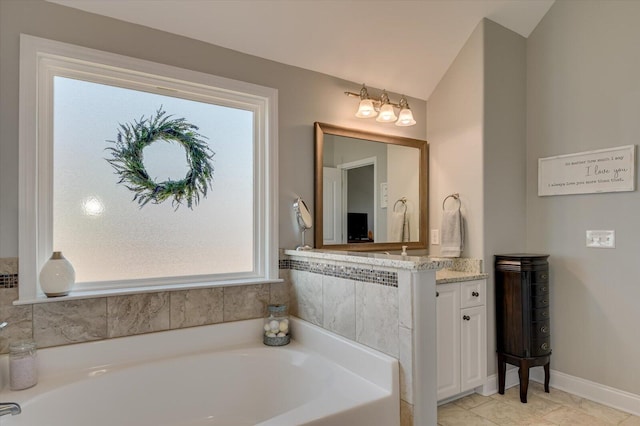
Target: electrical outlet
{"x":435,"y":237}
{"x":601,"y":239}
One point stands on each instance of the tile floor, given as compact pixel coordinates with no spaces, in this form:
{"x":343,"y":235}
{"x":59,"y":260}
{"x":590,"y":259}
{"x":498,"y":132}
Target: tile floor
{"x":554,"y":408}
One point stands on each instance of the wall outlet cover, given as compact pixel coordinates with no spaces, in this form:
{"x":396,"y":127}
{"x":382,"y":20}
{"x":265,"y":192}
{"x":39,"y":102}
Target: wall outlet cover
{"x":435,"y":237}
{"x":601,"y":239}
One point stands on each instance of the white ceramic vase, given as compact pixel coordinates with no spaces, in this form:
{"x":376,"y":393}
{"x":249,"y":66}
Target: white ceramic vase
{"x":57,"y":276}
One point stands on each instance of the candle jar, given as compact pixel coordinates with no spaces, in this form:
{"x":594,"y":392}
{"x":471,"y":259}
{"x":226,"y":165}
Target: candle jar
{"x":23,"y":369}
{"x":276,"y":326}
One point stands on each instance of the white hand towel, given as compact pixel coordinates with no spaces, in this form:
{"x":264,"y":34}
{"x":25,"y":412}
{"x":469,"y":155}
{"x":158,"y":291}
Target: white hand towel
{"x":452,"y":233}
{"x":406,"y":235}
{"x":397,"y":224}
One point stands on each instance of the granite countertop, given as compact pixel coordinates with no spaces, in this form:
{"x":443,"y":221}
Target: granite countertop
{"x":445,"y":276}
{"x":375,"y":259}
{"x":448,"y":270}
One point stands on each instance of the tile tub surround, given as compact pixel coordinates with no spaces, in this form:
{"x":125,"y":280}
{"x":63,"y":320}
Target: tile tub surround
{"x":382,"y":301}
{"x":64,"y":322}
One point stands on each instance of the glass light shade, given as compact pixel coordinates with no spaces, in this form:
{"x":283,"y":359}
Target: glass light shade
{"x":386,"y":114}
{"x":405,"y":118}
{"x":366,"y":109}
{"x":57,"y":276}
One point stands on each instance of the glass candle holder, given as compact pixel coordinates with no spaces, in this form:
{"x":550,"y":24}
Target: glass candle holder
{"x":23,"y":369}
{"x":276,"y":326}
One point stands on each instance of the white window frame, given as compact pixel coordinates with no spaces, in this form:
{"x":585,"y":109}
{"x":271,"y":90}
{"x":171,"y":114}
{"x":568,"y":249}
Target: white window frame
{"x":40,"y":61}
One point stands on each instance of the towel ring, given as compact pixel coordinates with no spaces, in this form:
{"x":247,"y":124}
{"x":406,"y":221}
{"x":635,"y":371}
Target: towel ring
{"x":455,"y":196}
{"x":402,"y":201}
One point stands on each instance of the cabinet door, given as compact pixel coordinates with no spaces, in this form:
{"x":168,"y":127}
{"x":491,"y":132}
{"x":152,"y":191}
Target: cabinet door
{"x":473,"y":347}
{"x":448,"y":339}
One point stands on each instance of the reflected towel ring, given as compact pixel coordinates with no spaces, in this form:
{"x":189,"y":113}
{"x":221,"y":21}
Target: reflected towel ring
{"x":455,"y":196}
{"x":402,"y":201}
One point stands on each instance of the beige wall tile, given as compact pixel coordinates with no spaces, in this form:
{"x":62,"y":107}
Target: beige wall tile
{"x":279,"y":293}
{"x":339,"y":306}
{"x":18,"y":318}
{"x":71,"y":321}
{"x":8,"y":265}
{"x":405,"y":299}
{"x":306,"y":296}
{"x":137,"y":314}
{"x":245,"y":302}
{"x":195,"y":307}
{"x":406,"y":414}
{"x":377,"y":317}
{"x":405,"y":340}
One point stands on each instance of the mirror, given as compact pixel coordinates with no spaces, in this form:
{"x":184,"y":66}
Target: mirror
{"x":304,"y":220}
{"x":370,"y":190}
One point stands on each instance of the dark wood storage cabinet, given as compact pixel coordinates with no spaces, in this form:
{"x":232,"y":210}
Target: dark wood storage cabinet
{"x":522,"y":316}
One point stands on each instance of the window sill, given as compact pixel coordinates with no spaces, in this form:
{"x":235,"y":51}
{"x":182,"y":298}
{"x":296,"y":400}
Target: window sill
{"x":88,"y":294}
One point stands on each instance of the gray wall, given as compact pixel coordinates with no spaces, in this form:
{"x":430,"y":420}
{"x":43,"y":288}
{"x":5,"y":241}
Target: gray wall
{"x":455,"y":113}
{"x":504,"y":156}
{"x":476,"y":134}
{"x":583,"y":93}
{"x":304,"y":96}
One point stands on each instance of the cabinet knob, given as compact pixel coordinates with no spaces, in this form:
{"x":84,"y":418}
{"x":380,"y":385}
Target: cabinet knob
{"x":544,"y":276}
{"x":475,"y":294}
{"x":544,"y":329}
{"x":544,"y":289}
{"x":544,"y":346}
{"x":466,"y":317}
{"x":545,"y":313}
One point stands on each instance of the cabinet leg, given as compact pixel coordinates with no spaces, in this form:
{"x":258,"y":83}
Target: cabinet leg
{"x":546,"y":377}
{"x":502,"y":370}
{"x":523,"y":372}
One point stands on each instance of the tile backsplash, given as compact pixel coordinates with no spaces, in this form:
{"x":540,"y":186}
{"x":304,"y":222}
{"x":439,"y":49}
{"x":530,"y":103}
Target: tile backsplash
{"x":75,"y":321}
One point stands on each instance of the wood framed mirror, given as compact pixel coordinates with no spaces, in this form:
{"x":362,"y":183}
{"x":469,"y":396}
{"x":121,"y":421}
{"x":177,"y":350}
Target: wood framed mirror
{"x":370,"y":190}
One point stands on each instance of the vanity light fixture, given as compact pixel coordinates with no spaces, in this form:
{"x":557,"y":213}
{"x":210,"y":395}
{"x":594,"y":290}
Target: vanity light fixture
{"x":383,"y":108}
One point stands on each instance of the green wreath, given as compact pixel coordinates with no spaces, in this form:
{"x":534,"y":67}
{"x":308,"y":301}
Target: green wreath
{"x":127,"y":160}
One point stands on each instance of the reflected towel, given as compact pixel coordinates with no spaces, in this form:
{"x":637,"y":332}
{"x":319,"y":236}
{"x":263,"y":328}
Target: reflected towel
{"x":405,"y":228}
{"x":399,"y":227}
{"x":452,"y":233}
{"x":397,"y":224}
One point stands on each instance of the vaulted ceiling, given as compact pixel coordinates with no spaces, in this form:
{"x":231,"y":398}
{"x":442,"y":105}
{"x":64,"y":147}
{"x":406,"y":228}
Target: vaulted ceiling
{"x":404,"y":46}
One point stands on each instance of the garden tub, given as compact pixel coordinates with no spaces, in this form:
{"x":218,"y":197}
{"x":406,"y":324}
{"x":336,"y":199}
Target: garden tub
{"x":211,"y":375}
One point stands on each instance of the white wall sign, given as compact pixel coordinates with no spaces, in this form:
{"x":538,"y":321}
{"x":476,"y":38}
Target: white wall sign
{"x":604,"y":170}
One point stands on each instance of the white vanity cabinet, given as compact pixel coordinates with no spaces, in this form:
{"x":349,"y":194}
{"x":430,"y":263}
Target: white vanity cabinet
{"x":461,"y":336}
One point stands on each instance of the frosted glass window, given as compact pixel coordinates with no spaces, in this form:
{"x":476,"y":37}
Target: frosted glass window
{"x":104,"y":233}
{"x":73,"y":101}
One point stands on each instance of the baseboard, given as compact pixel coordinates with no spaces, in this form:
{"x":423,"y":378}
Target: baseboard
{"x":611,"y":397}
{"x":615,"y":398}
{"x":455,"y":397}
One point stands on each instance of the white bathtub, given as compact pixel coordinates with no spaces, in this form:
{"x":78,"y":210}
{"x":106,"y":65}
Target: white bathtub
{"x":213,"y":375}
